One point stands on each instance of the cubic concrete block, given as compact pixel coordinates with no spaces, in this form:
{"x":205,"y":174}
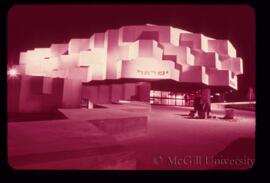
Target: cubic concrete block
{"x":42,"y":52}
{"x":104,"y":94}
{"x":97,"y":60}
{"x":195,"y":71}
{"x":218,"y":77}
{"x":149,"y":35}
{"x":47,"y":85}
{"x":71,"y":93}
{"x":233,"y":64}
{"x":146,"y":48}
{"x":23,"y":58}
{"x":117,"y":92}
{"x":93,"y":57}
{"x":99,"y":40}
{"x":36,"y":84}
{"x":129,"y":90}
{"x":84,"y":74}
{"x":144,"y":91}
{"x":137,"y":51}
{"x":191,"y":40}
{"x":222,"y":47}
{"x":13,"y":94}
{"x":31,"y":97}
{"x":112,"y":37}
{"x":78,"y":45}
{"x":68,"y":61}
{"x":237,"y":66}
{"x":130,"y":33}
{"x":94,"y":94}
{"x":233,"y":82}
{"x":149,"y":48}
{"x":129,"y":51}
{"x":57,"y":91}
{"x":207,"y":60}
{"x":20,"y":69}
{"x":90,"y":92}
{"x":58,"y":49}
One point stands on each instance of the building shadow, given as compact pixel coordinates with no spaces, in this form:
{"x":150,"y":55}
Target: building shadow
{"x":19,"y":117}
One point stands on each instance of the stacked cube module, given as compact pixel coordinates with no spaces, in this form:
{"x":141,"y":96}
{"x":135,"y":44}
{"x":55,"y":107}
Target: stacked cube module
{"x":144,"y":51}
{"x":140,"y":52}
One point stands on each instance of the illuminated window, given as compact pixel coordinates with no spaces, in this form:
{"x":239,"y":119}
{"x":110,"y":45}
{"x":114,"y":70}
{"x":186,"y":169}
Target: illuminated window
{"x":171,"y":98}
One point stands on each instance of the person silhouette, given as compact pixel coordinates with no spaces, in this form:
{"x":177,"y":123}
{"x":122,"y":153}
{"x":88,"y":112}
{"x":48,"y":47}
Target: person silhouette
{"x":197,"y":105}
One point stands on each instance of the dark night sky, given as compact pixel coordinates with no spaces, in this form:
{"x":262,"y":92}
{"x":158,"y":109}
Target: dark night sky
{"x":31,"y":26}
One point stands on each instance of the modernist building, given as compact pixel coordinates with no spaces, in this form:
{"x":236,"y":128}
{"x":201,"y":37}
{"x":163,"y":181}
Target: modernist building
{"x":150,"y":63}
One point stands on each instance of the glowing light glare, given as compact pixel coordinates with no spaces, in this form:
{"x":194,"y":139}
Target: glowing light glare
{"x":12,"y":72}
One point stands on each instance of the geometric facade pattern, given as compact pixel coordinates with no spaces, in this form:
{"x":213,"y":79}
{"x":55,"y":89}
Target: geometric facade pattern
{"x":139,"y":51}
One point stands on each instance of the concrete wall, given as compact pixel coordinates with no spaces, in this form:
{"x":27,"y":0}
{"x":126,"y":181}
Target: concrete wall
{"x":104,"y":94}
{"x":42,"y":94}
{"x":31,"y":98}
{"x":112,"y":93}
{"x":71,"y":93}
{"x":117,"y":92}
{"x":144,"y":92}
{"x":114,"y":54}
{"x":13,"y":93}
{"x":129,"y":90}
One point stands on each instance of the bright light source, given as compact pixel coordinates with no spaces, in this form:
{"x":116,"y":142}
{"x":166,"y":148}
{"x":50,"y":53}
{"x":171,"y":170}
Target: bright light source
{"x":12,"y":72}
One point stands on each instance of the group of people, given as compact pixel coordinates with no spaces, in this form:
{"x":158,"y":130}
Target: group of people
{"x":202,"y":108}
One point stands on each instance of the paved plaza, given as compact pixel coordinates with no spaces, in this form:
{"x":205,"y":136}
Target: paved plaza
{"x":169,"y":140}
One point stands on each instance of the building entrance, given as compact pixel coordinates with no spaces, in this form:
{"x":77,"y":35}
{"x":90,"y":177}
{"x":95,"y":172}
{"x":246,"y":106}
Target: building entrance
{"x":171,"y":98}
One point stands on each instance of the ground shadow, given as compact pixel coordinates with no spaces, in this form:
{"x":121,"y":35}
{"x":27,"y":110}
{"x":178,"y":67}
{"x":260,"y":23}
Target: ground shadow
{"x":240,"y":154}
{"x":19,"y":117}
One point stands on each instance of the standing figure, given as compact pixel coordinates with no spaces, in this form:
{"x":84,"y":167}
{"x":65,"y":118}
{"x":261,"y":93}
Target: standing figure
{"x":197,"y":105}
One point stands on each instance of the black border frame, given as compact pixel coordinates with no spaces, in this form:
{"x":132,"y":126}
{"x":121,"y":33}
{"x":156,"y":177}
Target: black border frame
{"x":250,"y":174}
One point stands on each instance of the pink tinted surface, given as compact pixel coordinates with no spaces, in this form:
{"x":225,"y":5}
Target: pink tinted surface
{"x":139,"y":58}
{"x":81,"y":144}
{"x":37,"y":27}
{"x":169,"y":137}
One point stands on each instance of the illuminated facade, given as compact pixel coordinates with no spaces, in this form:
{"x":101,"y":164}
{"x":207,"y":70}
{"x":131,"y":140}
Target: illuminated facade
{"x":144,"y":53}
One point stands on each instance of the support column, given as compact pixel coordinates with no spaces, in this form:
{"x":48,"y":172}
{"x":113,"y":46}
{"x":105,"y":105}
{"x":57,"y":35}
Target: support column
{"x":206,"y":95}
{"x":222,"y":97}
{"x":144,"y":91}
{"x":206,"y":98}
